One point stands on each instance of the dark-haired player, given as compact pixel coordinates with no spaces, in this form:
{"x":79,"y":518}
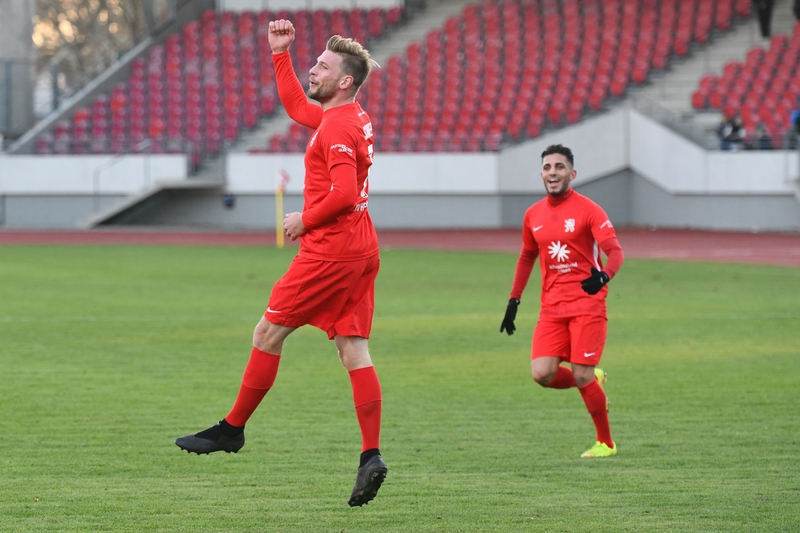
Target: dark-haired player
{"x":566,"y":230}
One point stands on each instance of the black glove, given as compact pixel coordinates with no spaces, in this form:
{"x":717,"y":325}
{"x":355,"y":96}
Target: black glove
{"x":595,"y":282}
{"x":511,"y":314}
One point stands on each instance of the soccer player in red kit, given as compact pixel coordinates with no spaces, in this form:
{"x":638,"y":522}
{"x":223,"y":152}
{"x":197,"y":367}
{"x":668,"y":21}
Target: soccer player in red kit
{"x":566,"y":230}
{"x":330,"y":283}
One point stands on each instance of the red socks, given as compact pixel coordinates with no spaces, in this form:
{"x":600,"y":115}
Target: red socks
{"x":563,"y":379}
{"x":367,"y":398}
{"x":595,"y":400}
{"x":259,"y":376}
{"x":593,"y":397}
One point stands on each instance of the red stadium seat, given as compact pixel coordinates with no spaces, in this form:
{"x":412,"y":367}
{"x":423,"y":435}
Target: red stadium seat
{"x":699,"y":99}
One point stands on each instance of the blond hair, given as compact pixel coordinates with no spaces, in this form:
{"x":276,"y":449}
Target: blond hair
{"x":356,"y":61}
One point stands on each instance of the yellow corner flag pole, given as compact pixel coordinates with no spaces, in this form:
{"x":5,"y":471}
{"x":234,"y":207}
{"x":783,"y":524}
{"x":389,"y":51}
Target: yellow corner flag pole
{"x":281,"y":181}
{"x":278,"y":211}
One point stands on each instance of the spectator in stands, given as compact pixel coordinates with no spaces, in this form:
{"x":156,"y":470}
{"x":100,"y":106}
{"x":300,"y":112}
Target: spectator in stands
{"x":723,"y":143}
{"x":764,"y":8}
{"x":762,"y":139}
{"x":732,"y":133}
{"x":794,"y":122}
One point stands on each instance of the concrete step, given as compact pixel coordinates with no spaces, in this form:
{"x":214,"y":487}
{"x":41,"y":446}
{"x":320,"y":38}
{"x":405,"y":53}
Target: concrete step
{"x":137,"y":203}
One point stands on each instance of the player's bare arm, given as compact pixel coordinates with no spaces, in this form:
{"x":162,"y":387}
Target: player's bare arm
{"x":281,"y":35}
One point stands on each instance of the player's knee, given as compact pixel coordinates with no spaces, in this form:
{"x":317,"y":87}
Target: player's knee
{"x":263,"y":343}
{"x":353,"y":352}
{"x":269,"y":337}
{"x":583,"y":374}
{"x":542,"y":377}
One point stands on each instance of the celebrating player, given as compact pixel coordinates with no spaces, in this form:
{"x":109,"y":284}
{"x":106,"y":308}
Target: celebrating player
{"x":330,"y":283}
{"x":564,"y":229}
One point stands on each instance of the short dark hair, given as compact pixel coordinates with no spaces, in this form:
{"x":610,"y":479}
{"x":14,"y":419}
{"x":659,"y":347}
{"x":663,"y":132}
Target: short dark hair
{"x":559,"y":149}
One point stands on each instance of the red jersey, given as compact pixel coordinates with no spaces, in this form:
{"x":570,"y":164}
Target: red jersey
{"x":565,"y":233}
{"x":337,"y":161}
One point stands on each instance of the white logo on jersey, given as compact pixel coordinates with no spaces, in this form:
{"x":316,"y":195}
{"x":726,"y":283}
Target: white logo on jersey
{"x":343,"y":148}
{"x":606,"y":223}
{"x":558,"y":251}
{"x":367,"y":130}
{"x":313,"y":138}
{"x":569,"y":225}
{"x":537,"y":228}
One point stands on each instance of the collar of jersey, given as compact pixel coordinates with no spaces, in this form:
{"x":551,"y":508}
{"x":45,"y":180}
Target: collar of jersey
{"x":560,"y":199}
{"x":333,"y":110}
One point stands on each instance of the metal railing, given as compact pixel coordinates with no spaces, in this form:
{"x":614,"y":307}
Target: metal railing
{"x":143,"y":146}
{"x":674,"y":122}
{"x":196,"y":150}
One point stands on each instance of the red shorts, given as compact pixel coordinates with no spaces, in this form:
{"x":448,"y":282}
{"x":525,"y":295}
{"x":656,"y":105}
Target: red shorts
{"x":576,"y":339}
{"x":338,"y":297}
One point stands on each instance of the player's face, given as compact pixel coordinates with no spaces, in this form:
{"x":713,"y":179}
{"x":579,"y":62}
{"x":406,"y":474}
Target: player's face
{"x":324,"y":77}
{"x":557,"y":174}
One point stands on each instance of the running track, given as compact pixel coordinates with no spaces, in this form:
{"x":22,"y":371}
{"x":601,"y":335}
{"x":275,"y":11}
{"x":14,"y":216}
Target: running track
{"x":689,"y":245}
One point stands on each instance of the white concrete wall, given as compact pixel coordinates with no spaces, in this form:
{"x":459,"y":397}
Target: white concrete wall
{"x":389,"y":174}
{"x":103,"y":174}
{"x":681,"y":167}
{"x":600,"y":147}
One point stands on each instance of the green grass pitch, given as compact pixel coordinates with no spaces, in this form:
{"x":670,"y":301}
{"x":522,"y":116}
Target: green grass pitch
{"x":108,"y":353}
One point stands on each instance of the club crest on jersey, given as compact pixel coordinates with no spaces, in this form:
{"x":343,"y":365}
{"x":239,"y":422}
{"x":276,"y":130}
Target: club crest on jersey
{"x":569,"y":225}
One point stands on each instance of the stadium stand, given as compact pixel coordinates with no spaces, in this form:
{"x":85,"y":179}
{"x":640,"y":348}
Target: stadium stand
{"x":202,"y":86}
{"x":763,"y":89}
{"x":504,"y":71}
{"x":501,"y":71}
